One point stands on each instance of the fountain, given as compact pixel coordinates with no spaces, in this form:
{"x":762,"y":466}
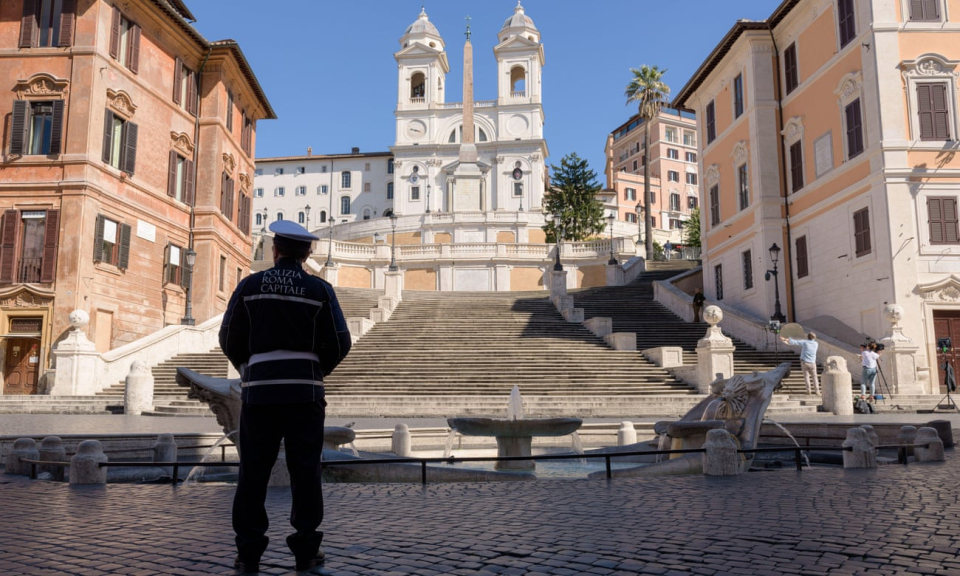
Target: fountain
{"x":736,"y":404}
{"x":515,"y":433}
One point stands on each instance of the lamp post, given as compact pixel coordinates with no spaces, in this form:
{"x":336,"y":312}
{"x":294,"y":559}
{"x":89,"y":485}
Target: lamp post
{"x":428,"y":198}
{"x":393,"y":243}
{"x":639,"y":209}
{"x":557,"y":223}
{"x":680,"y":224}
{"x":612,"y":260}
{"x":190,"y":259}
{"x":775,"y":257}
{"x":307,"y":210}
{"x":264,"y":229}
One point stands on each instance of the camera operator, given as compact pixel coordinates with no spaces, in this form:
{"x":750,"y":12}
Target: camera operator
{"x":868,"y":360}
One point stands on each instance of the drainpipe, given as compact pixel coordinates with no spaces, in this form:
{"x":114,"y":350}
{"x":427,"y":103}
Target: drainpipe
{"x":788,"y":248}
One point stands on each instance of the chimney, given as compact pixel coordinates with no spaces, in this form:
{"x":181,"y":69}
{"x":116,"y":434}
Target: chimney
{"x":309,"y":150}
{"x":354,"y":150}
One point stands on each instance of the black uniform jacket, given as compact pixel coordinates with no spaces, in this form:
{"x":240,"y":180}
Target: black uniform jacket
{"x":284,"y":331}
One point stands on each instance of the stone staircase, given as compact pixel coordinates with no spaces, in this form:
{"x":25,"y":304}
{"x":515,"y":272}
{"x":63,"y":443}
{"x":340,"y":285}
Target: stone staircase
{"x":357,"y":302}
{"x":633,"y":309}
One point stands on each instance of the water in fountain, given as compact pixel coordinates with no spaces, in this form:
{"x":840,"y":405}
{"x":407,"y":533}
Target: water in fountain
{"x":578,"y":445}
{"x":353,"y":449}
{"x":787,"y":432}
{"x":515,"y":406}
{"x":199,"y":470}
{"x":448,"y":446}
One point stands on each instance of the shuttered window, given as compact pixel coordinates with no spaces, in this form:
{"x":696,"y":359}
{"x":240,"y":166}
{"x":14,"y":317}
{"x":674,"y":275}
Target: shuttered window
{"x":743,"y":185}
{"x":796,"y":166}
{"x":246,"y":135}
{"x":747,"y":259}
{"x":854,"y":128}
{"x":243,"y":215}
{"x":714,"y":205}
{"x":942,"y":219}
{"x":791,"y":72}
{"x":111,"y":242}
{"x":738,"y":96}
{"x":718,"y":280}
{"x":711,"y":122}
{"x":180,"y":179}
{"x":125,"y":41}
{"x":173,"y":265}
{"x":846,"y":22}
{"x":28,"y":246}
{"x":924,"y":10}
{"x":120,"y":143}
{"x":803,"y":267}
{"x":226,"y":196}
{"x":36,"y":128}
{"x":47,"y":23}
{"x":230,"y":112}
{"x":185,"y":87}
{"x":861,"y":231}
{"x":933,"y":112}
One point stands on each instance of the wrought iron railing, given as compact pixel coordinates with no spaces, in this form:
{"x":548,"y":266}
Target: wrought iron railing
{"x":29,"y":272}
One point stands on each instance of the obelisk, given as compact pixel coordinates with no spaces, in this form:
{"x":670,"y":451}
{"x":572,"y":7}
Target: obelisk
{"x":467,"y":176}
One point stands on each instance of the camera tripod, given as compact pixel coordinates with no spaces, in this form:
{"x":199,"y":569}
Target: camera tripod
{"x":883,"y":383}
{"x":951,"y":404}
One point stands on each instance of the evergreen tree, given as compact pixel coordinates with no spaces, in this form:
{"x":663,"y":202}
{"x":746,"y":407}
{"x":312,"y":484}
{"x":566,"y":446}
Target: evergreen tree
{"x":691,"y":229}
{"x":573,"y":195}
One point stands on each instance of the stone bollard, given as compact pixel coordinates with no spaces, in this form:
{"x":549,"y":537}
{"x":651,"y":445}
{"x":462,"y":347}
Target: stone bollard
{"x":837,"y":387}
{"x":907,"y":435}
{"x":138,"y":392}
{"x":165,"y":450}
{"x":864,"y":455}
{"x":84,"y":466}
{"x":721,"y":457}
{"x":872,"y":435}
{"x":401,"y":441}
{"x":52,"y":450}
{"x":627,"y":434}
{"x":928,"y":446}
{"x":23,"y":448}
{"x":945,"y":430}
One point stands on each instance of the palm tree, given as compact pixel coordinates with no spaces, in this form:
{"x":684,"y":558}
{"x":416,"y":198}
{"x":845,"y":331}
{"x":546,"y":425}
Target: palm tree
{"x":650,"y":92}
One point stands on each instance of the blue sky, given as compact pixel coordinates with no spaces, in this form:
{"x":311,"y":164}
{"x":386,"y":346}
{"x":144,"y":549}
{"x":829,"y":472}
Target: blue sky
{"x":327,"y":66}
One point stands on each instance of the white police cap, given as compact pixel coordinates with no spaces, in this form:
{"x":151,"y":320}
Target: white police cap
{"x":292,"y":231}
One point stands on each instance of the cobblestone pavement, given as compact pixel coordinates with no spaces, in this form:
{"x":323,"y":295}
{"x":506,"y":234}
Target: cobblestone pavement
{"x":891,"y":520}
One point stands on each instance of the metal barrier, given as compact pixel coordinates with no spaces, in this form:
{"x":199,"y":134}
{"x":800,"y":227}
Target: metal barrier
{"x":797,"y":450}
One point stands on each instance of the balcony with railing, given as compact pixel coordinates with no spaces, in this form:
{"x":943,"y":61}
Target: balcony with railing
{"x":29,"y":272}
{"x":518,"y":94}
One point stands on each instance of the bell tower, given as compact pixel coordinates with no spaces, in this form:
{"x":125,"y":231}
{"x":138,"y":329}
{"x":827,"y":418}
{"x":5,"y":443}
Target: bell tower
{"x":519,"y":60}
{"x":422,"y":66}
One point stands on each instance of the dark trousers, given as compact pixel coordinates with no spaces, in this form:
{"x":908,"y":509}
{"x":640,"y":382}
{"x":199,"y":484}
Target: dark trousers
{"x":262,"y":426}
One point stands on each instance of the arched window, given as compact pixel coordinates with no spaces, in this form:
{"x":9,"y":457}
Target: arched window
{"x":301,"y":217}
{"x":323,"y":216}
{"x":481,"y":135}
{"x":457,"y":135}
{"x":366,"y":213}
{"x":259,"y":219}
{"x":518,"y":81}
{"x":279,"y":216}
{"x":345,"y":179}
{"x":345,"y":205}
{"x":418,"y":86}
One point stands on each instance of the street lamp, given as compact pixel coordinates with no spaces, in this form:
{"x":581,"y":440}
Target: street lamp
{"x":264,"y":229}
{"x":680,"y":224}
{"x":428,"y":198}
{"x":307,"y":210}
{"x":639,"y":209}
{"x":557,"y":222}
{"x":775,"y":257}
{"x":393,"y":243}
{"x":190,"y":259}
{"x":612,"y":260}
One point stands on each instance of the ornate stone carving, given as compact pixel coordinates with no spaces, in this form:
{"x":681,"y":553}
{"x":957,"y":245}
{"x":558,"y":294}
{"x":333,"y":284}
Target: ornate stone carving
{"x":229,"y":164}
{"x":182,"y":143}
{"x":41,"y":85}
{"x":245,"y":181}
{"x":535,"y":157}
{"x":397,"y":164}
{"x":946,"y":290}
{"x":121,"y":103}
{"x":498,"y":159}
{"x":793,"y":130}
{"x":849,"y":86}
{"x":78,"y":319}
{"x":740,"y":153}
{"x":712,"y":176}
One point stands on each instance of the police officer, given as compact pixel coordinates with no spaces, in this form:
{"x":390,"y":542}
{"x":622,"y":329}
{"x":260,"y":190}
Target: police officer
{"x":284,"y":331}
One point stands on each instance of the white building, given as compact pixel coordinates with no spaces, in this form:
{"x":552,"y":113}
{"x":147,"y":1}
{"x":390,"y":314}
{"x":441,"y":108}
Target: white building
{"x":311,"y":190}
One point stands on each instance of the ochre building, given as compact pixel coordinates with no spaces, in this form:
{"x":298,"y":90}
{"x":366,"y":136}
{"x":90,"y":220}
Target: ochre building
{"x":128,"y":143}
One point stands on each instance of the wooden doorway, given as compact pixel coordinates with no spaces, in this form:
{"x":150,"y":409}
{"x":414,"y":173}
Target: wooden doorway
{"x":946,"y":324}
{"x":22,"y":366}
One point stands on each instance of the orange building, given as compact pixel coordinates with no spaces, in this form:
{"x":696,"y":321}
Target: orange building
{"x":128,"y":143}
{"x":673,"y":171}
{"x":830,"y":130}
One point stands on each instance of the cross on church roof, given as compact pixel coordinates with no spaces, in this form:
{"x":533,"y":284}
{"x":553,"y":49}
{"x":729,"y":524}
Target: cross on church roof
{"x":468,"y":19}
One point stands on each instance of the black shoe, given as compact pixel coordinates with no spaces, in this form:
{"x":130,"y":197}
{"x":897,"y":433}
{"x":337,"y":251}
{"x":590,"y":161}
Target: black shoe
{"x":246,"y":566}
{"x":310,"y":563}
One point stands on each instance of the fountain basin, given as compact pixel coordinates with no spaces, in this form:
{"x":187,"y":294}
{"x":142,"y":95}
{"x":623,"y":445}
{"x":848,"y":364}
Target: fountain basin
{"x":515,"y":437}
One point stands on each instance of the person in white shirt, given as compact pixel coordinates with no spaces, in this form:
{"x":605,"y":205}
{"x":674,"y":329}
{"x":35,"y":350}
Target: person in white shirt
{"x":868,"y":360}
